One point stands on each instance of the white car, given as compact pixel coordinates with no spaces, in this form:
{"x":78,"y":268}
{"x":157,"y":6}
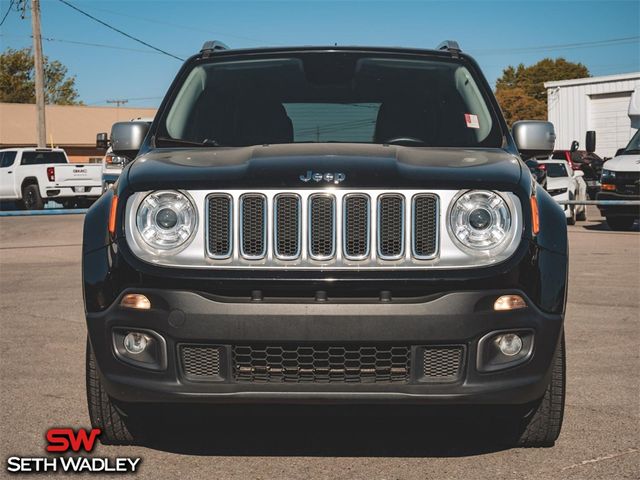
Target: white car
{"x":33,"y":176}
{"x":564,"y":183}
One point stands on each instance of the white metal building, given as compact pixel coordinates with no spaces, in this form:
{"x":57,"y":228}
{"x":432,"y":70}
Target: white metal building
{"x":595,"y":103}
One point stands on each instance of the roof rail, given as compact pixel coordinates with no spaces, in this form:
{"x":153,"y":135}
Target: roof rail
{"x":450,"y":46}
{"x":211,"y":46}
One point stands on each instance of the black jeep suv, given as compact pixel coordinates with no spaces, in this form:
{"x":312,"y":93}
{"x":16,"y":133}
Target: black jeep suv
{"x":340,"y":224}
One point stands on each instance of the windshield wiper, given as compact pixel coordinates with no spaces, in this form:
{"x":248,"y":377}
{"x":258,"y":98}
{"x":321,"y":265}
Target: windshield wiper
{"x":174,"y":142}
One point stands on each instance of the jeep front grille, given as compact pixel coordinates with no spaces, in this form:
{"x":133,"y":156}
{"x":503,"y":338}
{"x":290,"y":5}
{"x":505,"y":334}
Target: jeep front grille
{"x":321,"y":363}
{"x":253,"y":228}
{"x":322,"y":228}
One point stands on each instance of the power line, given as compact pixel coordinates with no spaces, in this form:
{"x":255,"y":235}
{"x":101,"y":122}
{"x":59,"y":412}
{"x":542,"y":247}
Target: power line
{"x":7,"y":13}
{"x":85,"y":44}
{"x":120,"y":31}
{"x":595,"y":43}
{"x":180,"y":27}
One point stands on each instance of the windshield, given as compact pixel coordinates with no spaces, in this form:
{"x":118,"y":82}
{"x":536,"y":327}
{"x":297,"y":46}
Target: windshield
{"x":556,"y":170}
{"x":331,"y":97}
{"x":634,"y":145}
{"x":40,"y":158}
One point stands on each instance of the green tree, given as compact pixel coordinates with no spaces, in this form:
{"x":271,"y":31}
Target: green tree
{"x":17,"y":82}
{"x":520,"y":90}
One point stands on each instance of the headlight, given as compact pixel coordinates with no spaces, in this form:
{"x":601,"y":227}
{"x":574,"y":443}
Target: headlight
{"x":608,"y":175}
{"x":166,"y":220}
{"x":557,"y":191}
{"x":480,"y":221}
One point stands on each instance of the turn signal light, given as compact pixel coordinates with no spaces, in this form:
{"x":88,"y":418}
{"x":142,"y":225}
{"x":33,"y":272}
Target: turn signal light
{"x":135,"y":300}
{"x":509,"y":302}
{"x":535,"y":216}
{"x":608,"y":186}
{"x":112,"y":214}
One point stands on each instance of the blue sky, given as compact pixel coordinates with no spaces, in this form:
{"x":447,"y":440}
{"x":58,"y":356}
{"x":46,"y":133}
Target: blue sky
{"x":494,"y":32}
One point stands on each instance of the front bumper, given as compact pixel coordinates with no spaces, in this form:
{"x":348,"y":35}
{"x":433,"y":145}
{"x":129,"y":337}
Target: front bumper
{"x":461,"y":318}
{"x":561,"y":197}
{"x":618,"y":210}
{"x":74,"y":192}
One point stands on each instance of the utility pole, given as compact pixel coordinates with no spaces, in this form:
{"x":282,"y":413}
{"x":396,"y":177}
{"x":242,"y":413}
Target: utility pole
{"x":118,"y":103}
{"x":41,"y":126}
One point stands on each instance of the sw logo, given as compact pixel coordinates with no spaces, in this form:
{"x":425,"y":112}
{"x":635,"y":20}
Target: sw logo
{"x":64,"y":440}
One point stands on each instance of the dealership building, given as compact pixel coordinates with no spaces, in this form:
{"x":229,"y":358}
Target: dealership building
{"x":594,"y":103}
{"x":71,"y":127}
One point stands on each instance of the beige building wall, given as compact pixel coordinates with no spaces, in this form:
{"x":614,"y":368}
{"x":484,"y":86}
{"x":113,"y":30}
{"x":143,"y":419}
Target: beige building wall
{"x":72,"y":127}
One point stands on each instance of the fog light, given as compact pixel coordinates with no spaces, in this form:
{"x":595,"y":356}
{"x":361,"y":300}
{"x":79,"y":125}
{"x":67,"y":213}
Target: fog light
{"x":509,"y":344}
{"x":135,"y":300}
{"x":509,"y":302}
{"x":135,"y":343}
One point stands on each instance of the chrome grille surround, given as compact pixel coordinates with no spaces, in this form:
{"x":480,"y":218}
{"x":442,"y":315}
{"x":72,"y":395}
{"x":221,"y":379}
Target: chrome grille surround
{"x":417,"y":242}
{"x":356,"y":243}
{"x":391,"y":219}
{"x":216,"y":205}
{"x":321,"y":229}
{"x":283,"y":234}
{"x":253,"y":226}
{"x":197,"y":254}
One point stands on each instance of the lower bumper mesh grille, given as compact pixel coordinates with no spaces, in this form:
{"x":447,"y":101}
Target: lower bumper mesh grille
{"x":442,"y":364}
{"x":321,"y":364}
{"x":200,"y":362}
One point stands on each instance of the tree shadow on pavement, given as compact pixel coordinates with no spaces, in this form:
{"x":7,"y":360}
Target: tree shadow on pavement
{"x":321,"y":430}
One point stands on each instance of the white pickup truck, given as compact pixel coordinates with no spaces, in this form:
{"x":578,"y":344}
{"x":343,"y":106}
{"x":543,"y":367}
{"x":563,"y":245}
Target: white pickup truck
{"x":33,"y":176}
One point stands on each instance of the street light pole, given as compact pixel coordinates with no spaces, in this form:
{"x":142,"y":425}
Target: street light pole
{"x":41,"y":126}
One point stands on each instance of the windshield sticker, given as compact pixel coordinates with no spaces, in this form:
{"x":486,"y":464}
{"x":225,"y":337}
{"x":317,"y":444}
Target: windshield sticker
{"x":472,"y":120}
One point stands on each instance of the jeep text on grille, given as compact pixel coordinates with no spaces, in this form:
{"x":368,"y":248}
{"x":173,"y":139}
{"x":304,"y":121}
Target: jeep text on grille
{"x":339,"y":225}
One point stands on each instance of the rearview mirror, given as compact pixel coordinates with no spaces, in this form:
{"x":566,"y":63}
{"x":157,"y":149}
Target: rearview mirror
{"x":127,"y":137}
{"x":534,"y":137}
{"x":590,"y":141}
{"x":102,"y":141}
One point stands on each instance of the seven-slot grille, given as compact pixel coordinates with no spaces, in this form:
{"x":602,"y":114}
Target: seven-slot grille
{"x":321,"y":363}
{"x":323,"y":228}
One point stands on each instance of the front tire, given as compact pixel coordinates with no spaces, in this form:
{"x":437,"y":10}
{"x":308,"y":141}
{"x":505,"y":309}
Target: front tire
{"x":572,"y":219}
{"x":623,"y":224}
{"x":31,"y":199}
{"x":103,"y":412}
{"x":542,"y":424}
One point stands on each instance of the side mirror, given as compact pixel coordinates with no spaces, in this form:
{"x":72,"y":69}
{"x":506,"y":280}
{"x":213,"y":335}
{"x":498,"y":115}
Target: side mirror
{"x":575,"y":145}
{"x":578,"y":173}
{"x":590,"y":141}
{"x":127,"y":138}
{"x":620,"y":151}
{"x":534,"y":137}
{"x":531,"y":163}
{"x":102,"y":141}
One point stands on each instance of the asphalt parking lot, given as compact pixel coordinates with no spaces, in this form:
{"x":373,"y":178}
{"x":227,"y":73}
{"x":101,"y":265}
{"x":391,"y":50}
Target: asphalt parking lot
{"x":42,"y":341}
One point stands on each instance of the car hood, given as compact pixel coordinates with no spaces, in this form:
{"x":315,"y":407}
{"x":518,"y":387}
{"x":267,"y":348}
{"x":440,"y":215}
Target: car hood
{"x":281,"y":166}
{"x":623,"y":163}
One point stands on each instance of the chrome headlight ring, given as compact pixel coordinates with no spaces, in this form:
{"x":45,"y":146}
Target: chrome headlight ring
{"x":165,"y":221}
{"x":480,"y":222}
